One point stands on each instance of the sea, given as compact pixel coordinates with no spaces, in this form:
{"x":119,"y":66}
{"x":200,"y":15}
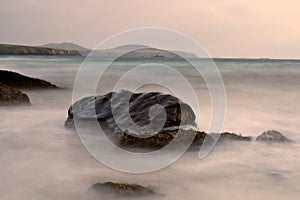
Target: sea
{"x":41,"y":159}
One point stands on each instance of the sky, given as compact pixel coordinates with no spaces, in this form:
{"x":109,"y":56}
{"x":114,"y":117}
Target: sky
{"x":225,"y":28}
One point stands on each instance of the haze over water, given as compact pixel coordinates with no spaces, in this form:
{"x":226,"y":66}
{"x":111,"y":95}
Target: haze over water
{"x":42,"y":160}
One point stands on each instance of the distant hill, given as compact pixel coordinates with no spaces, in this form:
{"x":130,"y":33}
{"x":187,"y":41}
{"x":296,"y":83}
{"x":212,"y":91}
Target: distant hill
{"x":129,"y":47}
{"x":156,"y":53}
{"x":7,"y":49}
{"x":66,"y":46}
{"x":139,"y":51}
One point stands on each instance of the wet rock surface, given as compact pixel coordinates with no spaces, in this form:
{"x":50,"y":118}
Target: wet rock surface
{"x":122,"y":190}
{"x":146,"y":110}
{"x":272,"y":136}
{"x":11,"y":96}
{"x":19,"y":81}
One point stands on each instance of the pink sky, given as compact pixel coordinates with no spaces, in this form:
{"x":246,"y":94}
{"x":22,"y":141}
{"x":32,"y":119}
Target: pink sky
{"x":226,"y":28}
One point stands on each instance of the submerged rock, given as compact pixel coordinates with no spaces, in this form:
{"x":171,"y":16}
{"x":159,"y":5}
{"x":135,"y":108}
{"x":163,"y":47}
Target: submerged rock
{"x":16,"y":80}
{"x":161,"y":139}
{"x":272,"y":136}
{"x":227,"y":136}
{"x":119,"y":190}
{"x":179,"y":136}
{"x":11,"y":96}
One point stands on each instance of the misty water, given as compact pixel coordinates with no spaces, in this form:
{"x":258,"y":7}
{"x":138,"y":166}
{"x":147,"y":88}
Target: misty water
{"x":41,"y":159}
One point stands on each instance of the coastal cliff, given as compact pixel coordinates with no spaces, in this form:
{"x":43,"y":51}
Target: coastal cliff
{"x":7,"y":49}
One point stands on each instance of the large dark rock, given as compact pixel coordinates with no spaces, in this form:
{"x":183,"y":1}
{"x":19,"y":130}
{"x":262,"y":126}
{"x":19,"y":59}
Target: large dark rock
{"x":272,"y":136}
{"x":142,"y":107}
{"x":16,"y":80}
{"x":122,"y":190}
{"x":11,"y":96}
{"x":179,"y":126}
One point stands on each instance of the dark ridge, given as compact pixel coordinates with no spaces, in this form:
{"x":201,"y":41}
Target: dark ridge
{"x":16,"y":80}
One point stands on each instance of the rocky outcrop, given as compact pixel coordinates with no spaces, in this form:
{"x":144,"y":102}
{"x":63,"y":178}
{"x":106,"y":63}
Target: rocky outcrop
{"x":19,"y":81}
{"x":119,"y":190}
{"x":6,"y":49}
{"x":272,"y":136}
{"x":178,"y":118}
{"x":11,"y":96}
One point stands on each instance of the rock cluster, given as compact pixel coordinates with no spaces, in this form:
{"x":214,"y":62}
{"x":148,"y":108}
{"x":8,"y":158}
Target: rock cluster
{"x":10,"y":82}
{"x":178,"y":118}
{"x":177,"y":129}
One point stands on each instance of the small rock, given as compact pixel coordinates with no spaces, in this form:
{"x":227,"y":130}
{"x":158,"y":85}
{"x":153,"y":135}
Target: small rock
{"x":119,"y":190}
{"x":272,"y":136}
{"x":11,"y":96}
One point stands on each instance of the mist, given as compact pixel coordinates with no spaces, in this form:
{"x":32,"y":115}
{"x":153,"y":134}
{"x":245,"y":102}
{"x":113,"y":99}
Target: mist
{"x":42,"y":160}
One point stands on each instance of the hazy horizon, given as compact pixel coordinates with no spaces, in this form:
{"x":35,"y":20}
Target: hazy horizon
{"x":226,"y":29}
